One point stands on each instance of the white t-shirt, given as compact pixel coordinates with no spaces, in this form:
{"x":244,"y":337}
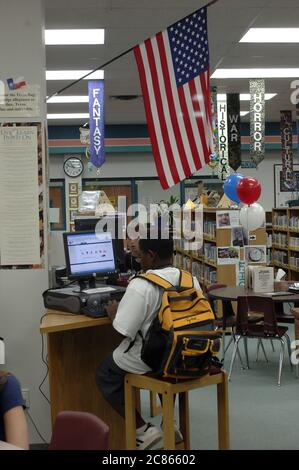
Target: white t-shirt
{"x":136,"y":311}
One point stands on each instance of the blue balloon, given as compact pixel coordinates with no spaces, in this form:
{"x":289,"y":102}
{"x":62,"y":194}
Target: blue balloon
{"x":230,"y":186}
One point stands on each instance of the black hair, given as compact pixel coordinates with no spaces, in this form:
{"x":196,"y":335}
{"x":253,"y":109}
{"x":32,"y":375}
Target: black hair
{"x":162,"y":246}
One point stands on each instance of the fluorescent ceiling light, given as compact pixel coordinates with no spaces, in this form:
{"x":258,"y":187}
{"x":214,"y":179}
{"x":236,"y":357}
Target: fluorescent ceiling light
{"x":69,"y":99}
{"x":74,"y":36}
{"x":68,"y":116}
{"x":73,"y":74}
{"x":256,"y":73}
{"x":277,"y":35}
{"x":246,"y":96}
{"x":244,"y":113}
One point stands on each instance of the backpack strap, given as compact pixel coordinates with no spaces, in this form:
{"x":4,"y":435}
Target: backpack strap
{"x":186,"y":279}
{"x":155,"y":279}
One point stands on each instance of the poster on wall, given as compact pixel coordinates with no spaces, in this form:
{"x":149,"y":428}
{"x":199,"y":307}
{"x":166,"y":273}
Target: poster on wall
{"x":227,"y":219}
{"x":21,"y":196}
{"x":283,"y":191}
{"x":22,"y":102}
{"x":228,"y":255}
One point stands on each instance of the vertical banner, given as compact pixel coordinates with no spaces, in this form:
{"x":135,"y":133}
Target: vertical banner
{"x":223,"y":168}
{"x":234,"y":130}
{"x":257,"y":121}
{"x":286,"y":133}
{"x":96,"y":122}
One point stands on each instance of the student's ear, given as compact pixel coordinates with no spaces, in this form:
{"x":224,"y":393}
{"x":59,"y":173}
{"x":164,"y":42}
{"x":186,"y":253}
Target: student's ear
{"x":152,"y":255}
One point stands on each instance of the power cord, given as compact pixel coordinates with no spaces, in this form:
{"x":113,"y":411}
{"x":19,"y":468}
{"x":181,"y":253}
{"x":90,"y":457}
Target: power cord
{"x":32,"y":421}
{"x":45,"y":361}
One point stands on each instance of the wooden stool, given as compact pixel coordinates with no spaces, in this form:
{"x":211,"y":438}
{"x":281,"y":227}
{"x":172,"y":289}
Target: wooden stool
{"x":168,"y":388}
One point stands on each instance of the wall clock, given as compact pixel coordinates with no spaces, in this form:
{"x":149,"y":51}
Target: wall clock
{"x":73,"y":167}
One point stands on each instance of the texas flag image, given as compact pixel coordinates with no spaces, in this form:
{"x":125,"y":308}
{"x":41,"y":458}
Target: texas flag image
{"x":15,"y":85}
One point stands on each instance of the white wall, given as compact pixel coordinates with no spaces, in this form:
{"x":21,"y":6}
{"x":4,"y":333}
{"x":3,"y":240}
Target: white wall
{"x":22,"y":53}
{"x":138,"y":165}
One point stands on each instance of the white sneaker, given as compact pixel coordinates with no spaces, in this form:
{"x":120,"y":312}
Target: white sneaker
{"x":148,"y":438}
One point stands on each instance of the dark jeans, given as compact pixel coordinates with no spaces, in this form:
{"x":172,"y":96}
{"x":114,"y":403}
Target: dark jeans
{"x":110,"y":381}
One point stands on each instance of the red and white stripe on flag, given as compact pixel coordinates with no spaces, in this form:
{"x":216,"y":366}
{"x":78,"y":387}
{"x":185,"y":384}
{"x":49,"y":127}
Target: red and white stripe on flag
{"x":178,"y":115}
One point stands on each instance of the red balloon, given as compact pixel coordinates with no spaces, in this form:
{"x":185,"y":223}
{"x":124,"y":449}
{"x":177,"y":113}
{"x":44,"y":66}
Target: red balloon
{"x":249,"y":190}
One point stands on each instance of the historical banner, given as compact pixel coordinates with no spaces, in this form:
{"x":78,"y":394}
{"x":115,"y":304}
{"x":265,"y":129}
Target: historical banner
{"x":223,"y":168}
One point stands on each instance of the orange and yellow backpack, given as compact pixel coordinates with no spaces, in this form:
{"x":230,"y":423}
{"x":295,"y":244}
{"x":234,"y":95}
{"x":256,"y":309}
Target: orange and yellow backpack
{"x":181,"y":341}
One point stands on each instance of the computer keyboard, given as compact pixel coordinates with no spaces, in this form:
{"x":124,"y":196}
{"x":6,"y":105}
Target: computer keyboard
{"x":99,"y":290}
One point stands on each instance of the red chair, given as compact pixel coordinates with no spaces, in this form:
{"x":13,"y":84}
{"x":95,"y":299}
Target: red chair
{"x":266,"y":329}
{"x":78,"y":430}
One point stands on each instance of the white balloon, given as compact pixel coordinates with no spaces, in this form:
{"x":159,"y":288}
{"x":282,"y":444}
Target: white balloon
{"x":252,"y":217}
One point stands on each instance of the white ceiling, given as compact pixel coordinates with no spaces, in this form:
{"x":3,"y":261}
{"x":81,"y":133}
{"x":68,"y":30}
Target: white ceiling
{"x":129,"y":22}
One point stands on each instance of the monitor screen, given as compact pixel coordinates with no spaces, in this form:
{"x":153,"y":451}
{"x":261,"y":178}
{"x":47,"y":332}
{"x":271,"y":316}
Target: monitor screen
{"x":87,"y":253}
{"x":118,"y":222}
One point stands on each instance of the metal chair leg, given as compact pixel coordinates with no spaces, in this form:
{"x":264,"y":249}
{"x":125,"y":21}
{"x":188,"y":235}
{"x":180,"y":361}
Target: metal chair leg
{"x":272,"y":344}
{"x":236,"y":346}
{"x":246,"y":351}
{"x":257,"y":349}
{"x":263,"y":349}
{"x":281,"y":355}
{"x":289,"y":349}
{"x":223,"y":346}
{"x":238,"y":351}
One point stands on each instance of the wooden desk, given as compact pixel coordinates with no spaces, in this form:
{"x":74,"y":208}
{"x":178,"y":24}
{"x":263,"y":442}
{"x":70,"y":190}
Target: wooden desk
{"x":76,"y":346}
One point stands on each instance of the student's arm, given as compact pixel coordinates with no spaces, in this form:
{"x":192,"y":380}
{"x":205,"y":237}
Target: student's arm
{"x":111,"y":309}
{"x":15,"y":425}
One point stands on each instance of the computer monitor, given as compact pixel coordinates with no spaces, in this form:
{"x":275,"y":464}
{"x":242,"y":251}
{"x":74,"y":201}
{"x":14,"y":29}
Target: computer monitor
{"x":88,"y":254}
{"x":117,"y":220}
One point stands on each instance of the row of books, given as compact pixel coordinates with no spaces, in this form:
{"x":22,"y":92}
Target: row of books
{"x":280,"y":220}
{"x":210,"y":252}
{"x":209,"y":228}
{"x":294,"y":241}
{"x":280,"y":257}
{"x":280,"y":239}
{"x":294,"y":261}
{"x":294,"y":222}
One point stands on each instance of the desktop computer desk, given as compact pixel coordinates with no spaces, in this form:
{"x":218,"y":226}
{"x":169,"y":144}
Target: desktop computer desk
{"x":76,"y":346}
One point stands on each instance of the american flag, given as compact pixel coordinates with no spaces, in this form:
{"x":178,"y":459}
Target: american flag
{"x":175,"y":81}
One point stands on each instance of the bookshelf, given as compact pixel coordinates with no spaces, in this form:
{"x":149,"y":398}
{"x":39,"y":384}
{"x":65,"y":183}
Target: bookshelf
{"x":285,"y":240}
{"x":204,"y":263}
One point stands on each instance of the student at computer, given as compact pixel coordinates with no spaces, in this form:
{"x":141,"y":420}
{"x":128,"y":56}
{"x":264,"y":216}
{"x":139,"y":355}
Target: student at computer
{"x":13,"y":424}
{"x":135,"y":312}
{"x":132,"y":261}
